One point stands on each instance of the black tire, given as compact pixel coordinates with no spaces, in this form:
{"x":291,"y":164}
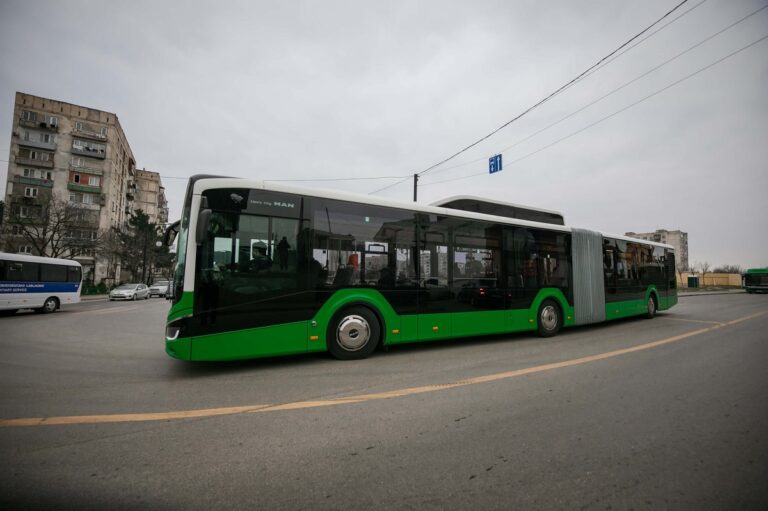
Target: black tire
{"x":549,"y":318}
{"x":50,"y":305}
{"x":353,"y":334}
{"x":146,"y":297}
{"x":651,"y":307}
{"x":134,"y":297}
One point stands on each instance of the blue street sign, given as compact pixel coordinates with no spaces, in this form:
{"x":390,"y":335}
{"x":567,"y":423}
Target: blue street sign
{"x":494,"y":164}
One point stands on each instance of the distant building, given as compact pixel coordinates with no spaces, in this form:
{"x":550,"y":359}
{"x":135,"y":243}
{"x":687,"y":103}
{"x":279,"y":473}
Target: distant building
{"x":150,"y":196}
{"x":677,"y":239}
{"x":81,"y":157}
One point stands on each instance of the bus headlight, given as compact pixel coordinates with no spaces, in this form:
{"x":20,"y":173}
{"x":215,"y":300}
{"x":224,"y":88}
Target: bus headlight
{"x":172,"y":332}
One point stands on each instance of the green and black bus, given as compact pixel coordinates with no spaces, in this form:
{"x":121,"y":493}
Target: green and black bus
{"x":756,"y":280}
{"x":264,"y":269}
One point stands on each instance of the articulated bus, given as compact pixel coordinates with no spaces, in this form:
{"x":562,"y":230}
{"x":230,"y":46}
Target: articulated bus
{"x":756,"y":280}
{"x":40,"y":283}
{"x":265,"y":269}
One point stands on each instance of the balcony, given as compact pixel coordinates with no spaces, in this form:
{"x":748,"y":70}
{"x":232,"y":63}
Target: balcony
{"x":46,"y":183}
{"x":48,"y":146}
{"x":80,"y":187}
{"x":86,"y":149}
{"x":34,"y":163}
{"x":86,"y":131}
{"x":42,"y":123}
{"x":86,"y":170}
{"x":91,"y":153}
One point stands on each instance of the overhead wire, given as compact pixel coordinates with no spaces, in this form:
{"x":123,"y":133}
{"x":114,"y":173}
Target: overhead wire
{"x":659,"y":91}
{"x":626,"y":84}
{"x":542,"y":101}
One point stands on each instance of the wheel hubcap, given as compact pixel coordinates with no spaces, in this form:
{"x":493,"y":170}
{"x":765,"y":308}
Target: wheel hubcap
{"x":651,"y":306}
{"x":50,"y":305}
{"x":353,"y":333}
{"x":549,"y":317}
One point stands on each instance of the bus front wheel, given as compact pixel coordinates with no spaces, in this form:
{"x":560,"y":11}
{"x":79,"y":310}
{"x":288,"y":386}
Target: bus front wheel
{"x":353,"y":334}
{"x":550,"y":318}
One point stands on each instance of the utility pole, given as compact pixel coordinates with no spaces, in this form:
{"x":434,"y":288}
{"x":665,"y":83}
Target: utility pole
{"x":415,"y":184}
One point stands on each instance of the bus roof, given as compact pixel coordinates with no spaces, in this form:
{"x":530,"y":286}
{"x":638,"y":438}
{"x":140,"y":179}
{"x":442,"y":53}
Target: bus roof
{"x":500,"y":208}
{"x":6,"y":256}
{"x":200,"y":183}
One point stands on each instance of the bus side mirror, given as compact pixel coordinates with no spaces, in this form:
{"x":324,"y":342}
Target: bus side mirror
{"x":169,"y":236}
{"x":203,"y":222}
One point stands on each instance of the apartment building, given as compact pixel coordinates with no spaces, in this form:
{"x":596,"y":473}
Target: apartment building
{"x":73,"y":157}
{"x":150,"y":196}
{"x":677,"y":239}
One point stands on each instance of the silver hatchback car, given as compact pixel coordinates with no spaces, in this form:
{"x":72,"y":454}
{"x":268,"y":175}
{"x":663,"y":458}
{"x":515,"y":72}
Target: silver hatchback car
{"x":129,"y":292}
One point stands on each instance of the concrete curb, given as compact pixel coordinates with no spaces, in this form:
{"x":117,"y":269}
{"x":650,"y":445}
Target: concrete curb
{"x":706,"y":293}
{"x":90,"y":298}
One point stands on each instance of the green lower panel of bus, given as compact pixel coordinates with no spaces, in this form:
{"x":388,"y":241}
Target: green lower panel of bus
{"x":310,"y":336}
{"x":627,"y":308}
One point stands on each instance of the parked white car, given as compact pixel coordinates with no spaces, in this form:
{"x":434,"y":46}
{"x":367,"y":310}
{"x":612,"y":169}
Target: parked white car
{"x":159,"y":288}
{"x":129,"y":292}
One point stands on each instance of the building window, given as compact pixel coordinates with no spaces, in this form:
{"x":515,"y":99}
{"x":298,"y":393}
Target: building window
{"x":77,"y":162}
{"x":76,"y":178}
{"x":30,"y":192}
{"x":25,"y":249}
{"x":29,"y":116}
{"x":23,"y":212}
{"x":94,"y":180}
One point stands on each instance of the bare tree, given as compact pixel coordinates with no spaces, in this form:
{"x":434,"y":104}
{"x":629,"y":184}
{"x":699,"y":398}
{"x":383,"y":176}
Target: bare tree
{"x":110,"y":248}
{"x":728,"y":268}
{"x":55,"y":228}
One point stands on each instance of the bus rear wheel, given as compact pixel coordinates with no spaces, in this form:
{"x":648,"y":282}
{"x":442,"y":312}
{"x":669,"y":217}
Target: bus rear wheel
{"x":651,"y":307}
{"x":51,"y":304}
{"x":550,"y":318}
{"x":353,"y":334}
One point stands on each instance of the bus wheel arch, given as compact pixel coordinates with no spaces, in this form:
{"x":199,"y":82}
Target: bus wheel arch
{"x":51,"y":304}
{"x":549,"y":317}
{"x":354,"y":332}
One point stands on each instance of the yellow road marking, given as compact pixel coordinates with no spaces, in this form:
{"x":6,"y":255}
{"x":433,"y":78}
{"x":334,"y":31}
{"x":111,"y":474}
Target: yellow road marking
{"x":300,"y":405}
{"x":693,"y":320}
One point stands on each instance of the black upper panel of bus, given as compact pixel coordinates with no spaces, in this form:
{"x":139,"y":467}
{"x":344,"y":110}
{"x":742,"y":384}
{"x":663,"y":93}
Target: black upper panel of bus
{"x":509,"y":211}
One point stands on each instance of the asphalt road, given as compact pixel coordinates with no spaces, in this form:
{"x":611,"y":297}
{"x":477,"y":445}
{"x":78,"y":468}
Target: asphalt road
{"x":669,"y":413}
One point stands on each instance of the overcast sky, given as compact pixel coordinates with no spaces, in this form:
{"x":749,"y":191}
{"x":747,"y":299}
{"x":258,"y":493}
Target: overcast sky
{"x":300,"y":90}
